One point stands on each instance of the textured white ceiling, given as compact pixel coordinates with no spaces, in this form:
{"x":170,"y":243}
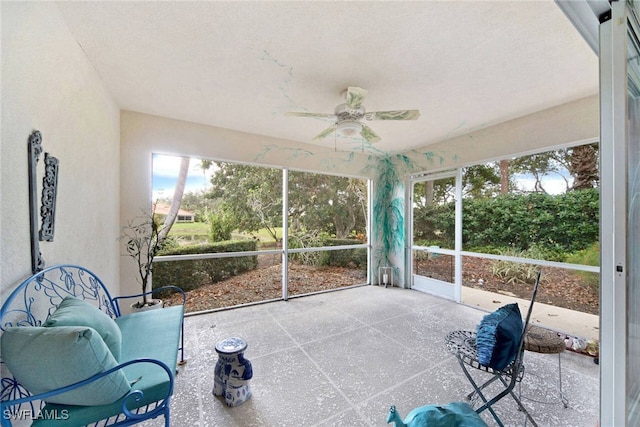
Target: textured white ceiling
{"x":465,"y":65}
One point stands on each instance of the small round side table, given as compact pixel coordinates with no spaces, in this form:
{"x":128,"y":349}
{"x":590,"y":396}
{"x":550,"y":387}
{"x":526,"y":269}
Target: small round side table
{"x":232,"y":372}
{"x":541,"y":340}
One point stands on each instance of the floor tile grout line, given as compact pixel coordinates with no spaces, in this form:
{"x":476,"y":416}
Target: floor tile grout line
{"x":334,"y":416}
{"x":322,"y":372}
{"x":365,"y":325}
{"x":199,"y":383}
{"x":336,"y":334}
{"x":371,"y":326}
{"x":411,"y":378}
{"x":410,"y":349}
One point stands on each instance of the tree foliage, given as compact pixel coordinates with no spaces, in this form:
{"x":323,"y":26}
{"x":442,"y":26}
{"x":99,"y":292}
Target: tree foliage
{"x":198,"y":203}
{"x":577,"y":166}
{"x":579,"y":162}
{"x":251,"y":197}
{"x":479,"y":181}
{"x":564,"y":222}
{"x":220,"y":226}
{"x":330,"y":204}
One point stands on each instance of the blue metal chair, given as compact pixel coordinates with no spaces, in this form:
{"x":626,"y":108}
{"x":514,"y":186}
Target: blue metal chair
{"x":29,"y":305}
{"x":462,"y":344}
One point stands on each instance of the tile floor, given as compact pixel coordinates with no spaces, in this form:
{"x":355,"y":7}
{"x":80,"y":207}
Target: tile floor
{"x":342,"y":358}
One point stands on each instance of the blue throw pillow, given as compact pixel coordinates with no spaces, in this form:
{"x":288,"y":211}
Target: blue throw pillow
{"x":44,"y":359}
{"x":74,"y":311}
{"x":498,"y":337}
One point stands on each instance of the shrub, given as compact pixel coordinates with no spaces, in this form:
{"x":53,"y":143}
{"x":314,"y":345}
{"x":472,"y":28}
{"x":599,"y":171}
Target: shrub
{"x":302,"y":240}
{"x":191,"y":274}
{"x":339,"y":258}
{"x":220,"y":227}
{"x":518,"y":272}
{"x":344,"y":257}
{"x":562,"y":223}
{"x":488,"y":249}
{"x":589,"y":256}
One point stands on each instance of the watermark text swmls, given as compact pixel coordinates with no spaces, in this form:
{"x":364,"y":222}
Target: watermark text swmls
{"x":42,"y":414}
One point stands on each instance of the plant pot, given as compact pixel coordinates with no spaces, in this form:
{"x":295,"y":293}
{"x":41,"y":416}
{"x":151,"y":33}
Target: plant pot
{"x":153,"y":304}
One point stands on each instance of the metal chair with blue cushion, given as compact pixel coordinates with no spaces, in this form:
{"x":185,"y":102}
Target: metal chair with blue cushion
{"x":496,"y":348}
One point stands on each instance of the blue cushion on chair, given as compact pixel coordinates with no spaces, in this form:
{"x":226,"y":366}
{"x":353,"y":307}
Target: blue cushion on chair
{"x":44,"y":359}
{"x":498,"y":337}
{"x":74,"y":311}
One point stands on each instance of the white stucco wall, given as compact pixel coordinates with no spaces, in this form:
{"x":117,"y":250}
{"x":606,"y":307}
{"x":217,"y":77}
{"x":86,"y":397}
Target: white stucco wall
{"x":49,"y":85}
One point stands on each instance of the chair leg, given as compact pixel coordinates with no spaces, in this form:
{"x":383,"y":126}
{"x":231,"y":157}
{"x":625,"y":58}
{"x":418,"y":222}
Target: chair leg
{"x":521,"y":407}
{"x":564,"y":400}
{"x":487,"y":404}
{"x":470,"y":395}
{"x":478,"y":391}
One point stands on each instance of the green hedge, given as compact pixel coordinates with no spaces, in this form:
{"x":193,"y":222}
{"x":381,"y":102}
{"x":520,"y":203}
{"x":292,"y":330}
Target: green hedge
{"x":344,"y":257}
{"x":566,"y":222}
{"x":191,"y":274}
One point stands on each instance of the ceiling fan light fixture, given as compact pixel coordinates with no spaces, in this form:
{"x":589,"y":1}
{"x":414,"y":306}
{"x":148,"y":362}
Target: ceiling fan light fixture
{"x":347,"y":116}
{"x":349,"y":128}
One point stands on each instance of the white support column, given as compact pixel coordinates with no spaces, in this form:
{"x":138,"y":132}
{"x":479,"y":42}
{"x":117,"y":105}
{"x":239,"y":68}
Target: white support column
{"x":285,"y":233}
{"x":457,"y":293}
{"x":408,"y":240}
{"x":370,"y":264}
{"x":613,"y":209}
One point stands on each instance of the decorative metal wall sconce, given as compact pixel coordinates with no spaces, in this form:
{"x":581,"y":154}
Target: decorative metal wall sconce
{"x":48,"y":199}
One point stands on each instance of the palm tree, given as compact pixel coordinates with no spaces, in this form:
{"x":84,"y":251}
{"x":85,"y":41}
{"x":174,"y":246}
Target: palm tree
{"x":177,"y":199}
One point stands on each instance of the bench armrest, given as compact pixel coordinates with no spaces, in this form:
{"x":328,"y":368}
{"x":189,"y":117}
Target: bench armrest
{"x":127,"y":401}
{"x":116,"y":300}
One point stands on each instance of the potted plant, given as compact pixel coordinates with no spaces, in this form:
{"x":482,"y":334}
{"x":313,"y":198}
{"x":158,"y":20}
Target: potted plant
{"x":143,"y":240}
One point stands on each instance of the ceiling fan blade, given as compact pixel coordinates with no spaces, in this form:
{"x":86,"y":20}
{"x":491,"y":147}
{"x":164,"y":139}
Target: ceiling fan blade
{"x":325,"y":133}
{"x":313,"y":115}
{"x":393,"y":115}
{"x":355,"y":97}
{"x":368,"y":134}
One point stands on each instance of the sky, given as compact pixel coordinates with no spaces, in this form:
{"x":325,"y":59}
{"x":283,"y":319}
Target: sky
{"x":553,"y":183}
{"x":165,"y":176}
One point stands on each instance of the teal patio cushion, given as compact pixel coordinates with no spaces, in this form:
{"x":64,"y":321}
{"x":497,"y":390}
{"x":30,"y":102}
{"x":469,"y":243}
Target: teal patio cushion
{"x":73,"y":311}
{"x":455,"y":414}
{"x":44,"y":359}
{"x":498,"y":337}
{"x":152,"y":333}
{"x":148,"y":334}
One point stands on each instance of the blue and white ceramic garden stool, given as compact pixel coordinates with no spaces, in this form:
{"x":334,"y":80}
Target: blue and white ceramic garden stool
{"x":232,"y":372}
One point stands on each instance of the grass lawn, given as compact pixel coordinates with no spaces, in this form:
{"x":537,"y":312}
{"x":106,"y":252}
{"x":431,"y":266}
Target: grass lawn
{"x":261,"y":234}
{"x":180,"y":229}
{"x":190,"y":229}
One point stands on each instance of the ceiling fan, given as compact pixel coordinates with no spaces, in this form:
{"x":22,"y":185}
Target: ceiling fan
{"x":348,"y":116}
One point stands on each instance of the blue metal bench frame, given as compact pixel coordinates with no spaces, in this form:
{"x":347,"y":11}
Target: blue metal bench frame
{"x":31,"y":303}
